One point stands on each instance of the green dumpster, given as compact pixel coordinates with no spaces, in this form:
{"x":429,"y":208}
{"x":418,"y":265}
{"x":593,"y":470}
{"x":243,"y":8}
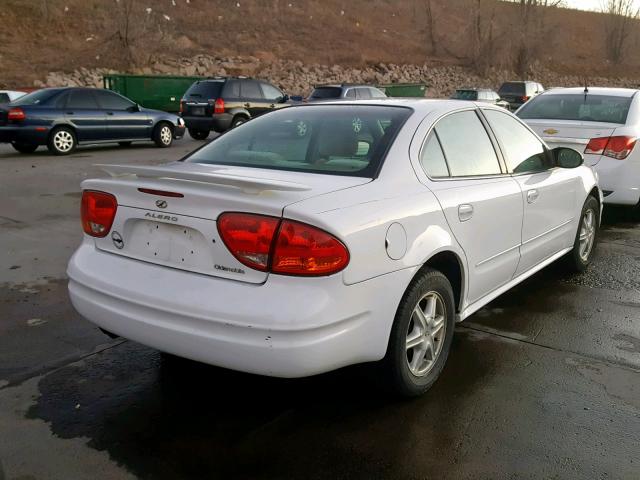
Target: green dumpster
{"x":404,"y":89}
{"x":160,"y":92}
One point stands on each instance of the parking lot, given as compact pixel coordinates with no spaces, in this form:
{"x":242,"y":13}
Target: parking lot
{"x":542,"y":383}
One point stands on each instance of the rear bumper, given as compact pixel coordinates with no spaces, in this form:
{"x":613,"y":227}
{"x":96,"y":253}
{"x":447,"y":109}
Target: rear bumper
{"x":36,"y":135}
{"x":286,"y":327}
{"x":621,"y":178}
{"x":178,"y":131}
{"x":218,"y":123}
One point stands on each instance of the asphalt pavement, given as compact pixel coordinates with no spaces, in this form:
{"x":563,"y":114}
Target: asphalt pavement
{"x":542,"y":383}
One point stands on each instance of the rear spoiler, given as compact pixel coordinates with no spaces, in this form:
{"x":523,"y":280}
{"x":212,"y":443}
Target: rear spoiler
{"x":196,"y":173}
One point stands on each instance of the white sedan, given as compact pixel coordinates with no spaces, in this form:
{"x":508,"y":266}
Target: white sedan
{"x":604,"y":123}
{"x":8,"y":96}
{"x":326,"y":235}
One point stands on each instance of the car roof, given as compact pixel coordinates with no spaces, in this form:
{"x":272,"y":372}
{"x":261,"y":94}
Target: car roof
{"x":419,"y":105}
{"x":475,"y":89}
{"x":342,"y":85}
{"x":614,"y":92}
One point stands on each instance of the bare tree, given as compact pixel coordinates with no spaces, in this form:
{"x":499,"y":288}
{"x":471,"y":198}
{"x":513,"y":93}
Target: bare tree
{"x":619,"y":17}
{"x":431,"y":33}
{"x":529,"y":33}
{"x":483,"y":51}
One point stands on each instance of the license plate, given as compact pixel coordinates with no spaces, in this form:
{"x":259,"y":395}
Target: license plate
{"x":197,"y":110}
{"x":171,"y":244}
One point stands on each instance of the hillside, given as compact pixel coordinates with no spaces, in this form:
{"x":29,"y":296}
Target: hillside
{"x":136,"y":35}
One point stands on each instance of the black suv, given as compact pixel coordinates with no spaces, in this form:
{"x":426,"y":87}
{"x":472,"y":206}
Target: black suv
{"x":222,"y":103}
{"x":344,"y":91}
{"x":519,"y":93}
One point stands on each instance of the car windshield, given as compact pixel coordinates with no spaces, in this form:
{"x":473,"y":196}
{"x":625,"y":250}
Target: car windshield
{"x":465,"y":95}
{"x":331,"y":139}
{"x":326,"y":92}
{"x":36,"y":98}
{"x":580,"y":107}
{"x":515,"y":88}
{"x":205,"y":90}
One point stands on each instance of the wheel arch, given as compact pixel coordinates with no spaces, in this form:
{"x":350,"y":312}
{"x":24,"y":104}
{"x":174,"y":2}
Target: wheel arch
{"x":451,"y":266}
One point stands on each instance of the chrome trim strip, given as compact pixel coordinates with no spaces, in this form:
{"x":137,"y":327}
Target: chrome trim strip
{"x":577,"y":141}
{"x":497,"y":255}
{"x":548,"y":231}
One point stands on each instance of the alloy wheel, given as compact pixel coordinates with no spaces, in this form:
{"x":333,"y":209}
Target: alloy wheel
{"x":165,"y":135}
{"x":63,"y":141}
{"x":587,"y":234}
{"x":426,"y":334}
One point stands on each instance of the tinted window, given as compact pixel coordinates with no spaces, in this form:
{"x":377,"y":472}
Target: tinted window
{"x":432,"y":159}
{"x":585,"y":108}
{"x":466,"y":145}
{"x":38,"y":97}
{"x":326,"y":92}
{"x":4,"y":97}
{"x":232,"y":89}
{"x":512,"y":88}
{"x":320,"y":139}
{"x":81,"y":99}
{"x":112,"y":101}
{"x":250,"y":89}
{"x":208,"y":90}
{"x":270,"y":92}
{"x":523,"y":151}
{"x":465,"y":95}
{"x":363,"y":94}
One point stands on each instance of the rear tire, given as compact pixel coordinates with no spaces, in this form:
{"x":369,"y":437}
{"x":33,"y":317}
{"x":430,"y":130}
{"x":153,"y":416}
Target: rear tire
{"x":584,"y":245}
{"x":239,"y":120}
{"x":62,"y":141}
{"x":198,"y":134}
{"x":24,"y":147}
{"x":419,"y":344}
{"x":163,"y":135}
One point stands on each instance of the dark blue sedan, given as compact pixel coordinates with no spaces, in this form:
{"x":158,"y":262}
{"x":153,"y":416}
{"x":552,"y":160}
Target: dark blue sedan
{"x":63,"y":118}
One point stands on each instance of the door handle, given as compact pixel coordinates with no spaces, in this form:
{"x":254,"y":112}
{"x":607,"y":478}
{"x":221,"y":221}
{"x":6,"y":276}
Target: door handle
{"x":69,"y":113}
{"x":109,"y":113}
{"x":465,"y":212}
{"x":247,"y":105}
{"x":532,"y":195}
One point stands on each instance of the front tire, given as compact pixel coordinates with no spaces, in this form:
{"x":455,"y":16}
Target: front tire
{"x":584,"y":245}
{"x":62,"y":141}
{"x":163,"y":135}
{"x":421,"y":335}
{"x":24,"y":147}
{"x":198,"y":134}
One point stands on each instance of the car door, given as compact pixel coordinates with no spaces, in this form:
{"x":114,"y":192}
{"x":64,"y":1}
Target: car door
{"x":82,"y":111}
{"x":124,"y":119}
{"x":253,"y":99}
{"x":549,"y":194}
{"x":481,"y":202}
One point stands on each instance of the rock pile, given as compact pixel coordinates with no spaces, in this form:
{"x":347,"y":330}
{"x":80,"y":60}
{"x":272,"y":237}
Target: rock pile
{"x":297,"y":78}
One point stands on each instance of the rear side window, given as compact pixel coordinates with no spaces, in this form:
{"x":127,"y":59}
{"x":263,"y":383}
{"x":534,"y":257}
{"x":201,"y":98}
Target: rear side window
{"x":432,"y":159}
{"x":39,"y":97}
{"x":326,"y":92}
{"x":585,"y":108}
{"x":351,"y":93}
{"x":523,"y":151}
{"x":465,"y":95}
{"x":375,"y":93}
{"x":232,"y":89}
{"x":208,"y":90}
{"x":82,"y":99}
{"x":250,"y":89}
{"x":466,"y":145}
{"x":4,"y":97}
{"x":512,"y":88}
{"x":363,"y":94}
{"x":329,"y":139}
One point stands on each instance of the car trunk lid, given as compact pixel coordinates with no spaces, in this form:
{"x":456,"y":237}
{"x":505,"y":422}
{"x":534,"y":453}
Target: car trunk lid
{"x":572,"y":134}
{"x":167,"y":214}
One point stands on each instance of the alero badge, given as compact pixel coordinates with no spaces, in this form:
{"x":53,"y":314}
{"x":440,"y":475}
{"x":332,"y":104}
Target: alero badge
{"x":550,"y":131}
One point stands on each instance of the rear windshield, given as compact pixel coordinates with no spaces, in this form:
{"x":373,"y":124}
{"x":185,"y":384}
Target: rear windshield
{"x":205,"y":90}
{"x":331,"y":139}
{"x":586,"y":108}
{"x":465,"y":95}
{"x":326,"y":92}
{"x":38,"y":97}
{"x":516,"y":88}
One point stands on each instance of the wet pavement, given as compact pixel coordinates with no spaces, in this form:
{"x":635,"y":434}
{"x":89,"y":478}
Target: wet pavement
{"x":542,"y":383}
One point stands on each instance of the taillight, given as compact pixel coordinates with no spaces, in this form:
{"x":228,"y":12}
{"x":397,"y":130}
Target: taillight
{"x":16,"y":114}
{"x":98,"y":209}
{"x":281,"y":246}
{"x":301,"y":249}
{"x":248,"y":237}
{"x":181,"y":107}
{"x":524,"y":98}
{"x":218,"y":107}
{"x":619,"y":147}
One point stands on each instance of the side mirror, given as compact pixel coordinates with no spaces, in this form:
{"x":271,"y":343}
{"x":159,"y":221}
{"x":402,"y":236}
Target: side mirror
{"x":567,"y":157}
{"x":134,"y":108}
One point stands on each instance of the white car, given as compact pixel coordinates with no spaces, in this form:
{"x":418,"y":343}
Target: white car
{"x":8,"y":96}
{"x":604,"y":123}
{"x":326,"y":235}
